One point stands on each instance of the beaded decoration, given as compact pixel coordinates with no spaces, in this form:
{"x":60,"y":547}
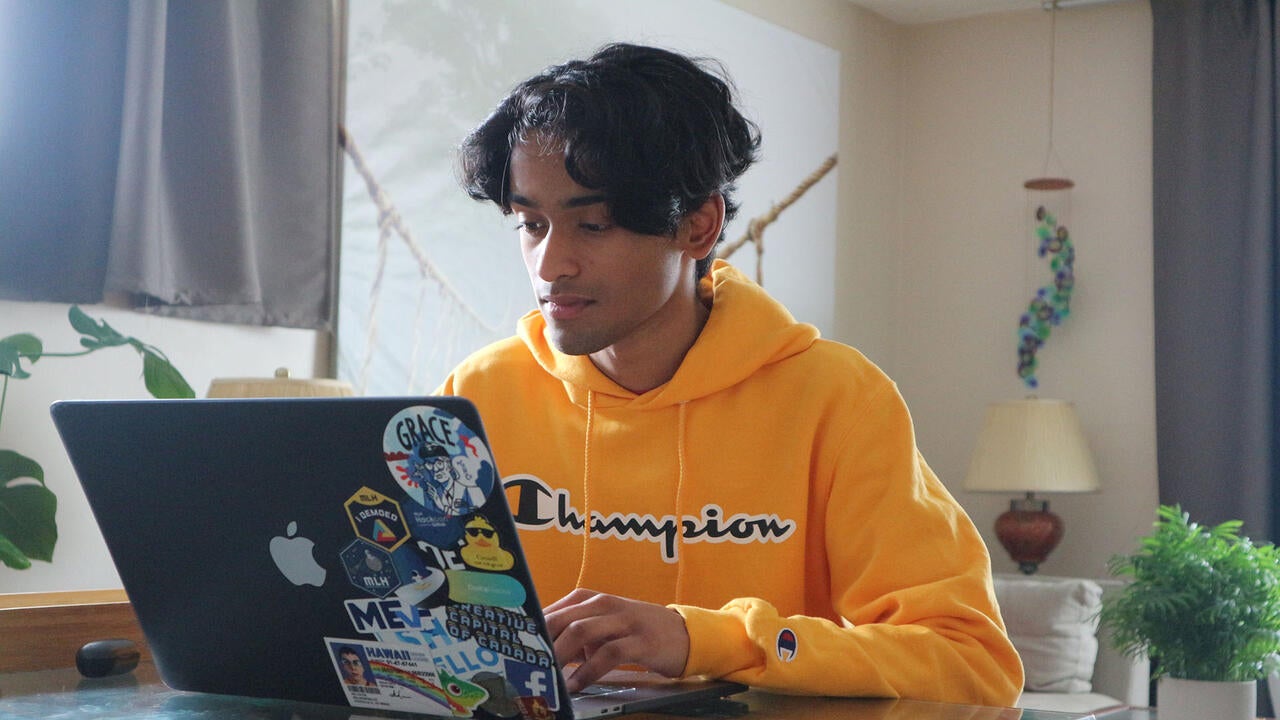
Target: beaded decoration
{"x":1052,"y":303}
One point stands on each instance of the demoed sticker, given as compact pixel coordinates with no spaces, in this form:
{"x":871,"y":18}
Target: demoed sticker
{"x":377,"y":518}
{"x":440,"y":462}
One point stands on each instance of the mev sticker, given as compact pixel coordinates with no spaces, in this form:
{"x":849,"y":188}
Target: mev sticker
{"x":440,"y":462}
{"x":377,"y":518}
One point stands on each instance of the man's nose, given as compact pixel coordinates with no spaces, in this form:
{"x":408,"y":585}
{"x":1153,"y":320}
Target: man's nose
{"x":557,"y":257}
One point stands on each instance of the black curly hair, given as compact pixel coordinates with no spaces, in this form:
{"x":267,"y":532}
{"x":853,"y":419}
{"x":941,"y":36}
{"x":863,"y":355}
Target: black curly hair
{"x":656,"y":131}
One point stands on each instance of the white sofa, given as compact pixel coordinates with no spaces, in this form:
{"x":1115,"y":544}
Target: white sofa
{"x":1053,"y":623}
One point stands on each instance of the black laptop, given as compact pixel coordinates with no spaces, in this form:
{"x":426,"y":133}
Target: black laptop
{"x":350,"y":551}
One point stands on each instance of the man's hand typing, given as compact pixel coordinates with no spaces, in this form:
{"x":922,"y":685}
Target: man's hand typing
{"x":601,"y":632}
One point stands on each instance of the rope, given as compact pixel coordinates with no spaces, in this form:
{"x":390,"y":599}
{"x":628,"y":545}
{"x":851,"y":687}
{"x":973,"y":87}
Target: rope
{"x":390,"y":221}
{"x":755,"y":228}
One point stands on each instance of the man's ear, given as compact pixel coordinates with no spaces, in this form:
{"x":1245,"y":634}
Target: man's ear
{"x":700,"y":229}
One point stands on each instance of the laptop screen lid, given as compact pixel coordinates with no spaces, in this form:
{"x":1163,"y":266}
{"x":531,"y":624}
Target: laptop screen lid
{"x":352,"y":551}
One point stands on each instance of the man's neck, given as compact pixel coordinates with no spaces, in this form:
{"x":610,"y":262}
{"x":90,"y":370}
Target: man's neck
{"x":642,"y":363}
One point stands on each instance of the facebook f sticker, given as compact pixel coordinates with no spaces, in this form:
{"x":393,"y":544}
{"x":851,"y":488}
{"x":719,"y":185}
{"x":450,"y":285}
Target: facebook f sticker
{"x":786,"y":645}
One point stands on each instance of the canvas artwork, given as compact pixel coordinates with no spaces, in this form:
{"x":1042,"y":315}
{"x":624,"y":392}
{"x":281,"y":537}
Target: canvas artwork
{"x":428,"y":275}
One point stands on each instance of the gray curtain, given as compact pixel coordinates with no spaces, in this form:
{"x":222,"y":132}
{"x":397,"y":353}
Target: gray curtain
{"x":1216,"y":263}
{"x":180,"y":155}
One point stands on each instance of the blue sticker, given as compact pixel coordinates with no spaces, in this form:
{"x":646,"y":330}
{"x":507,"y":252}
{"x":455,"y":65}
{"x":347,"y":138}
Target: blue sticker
{"x":532,"y":681}
{"x":370,"y":568}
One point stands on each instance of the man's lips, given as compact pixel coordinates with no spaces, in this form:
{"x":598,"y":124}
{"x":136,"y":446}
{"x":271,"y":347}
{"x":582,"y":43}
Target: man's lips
{"x":564,"y":306}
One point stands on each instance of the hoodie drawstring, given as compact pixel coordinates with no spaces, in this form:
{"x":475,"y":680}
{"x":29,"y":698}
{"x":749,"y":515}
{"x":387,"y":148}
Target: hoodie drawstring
{"x":586,"y":484}
{"x":586,"y":496}
{"x":679,"y":514}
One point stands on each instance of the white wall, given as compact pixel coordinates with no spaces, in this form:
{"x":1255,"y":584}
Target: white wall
{"x":940,"y":125}
{"x":200,"y":351}
{"x":974,"y":98}
{"x":870,"y":142}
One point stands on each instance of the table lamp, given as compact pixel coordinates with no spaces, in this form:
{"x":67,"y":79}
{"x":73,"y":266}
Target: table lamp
{"x":281,"y":385}
{"x":1031,"y":446}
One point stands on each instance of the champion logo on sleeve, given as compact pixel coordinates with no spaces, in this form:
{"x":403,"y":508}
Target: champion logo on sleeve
{"x":786,"y":645}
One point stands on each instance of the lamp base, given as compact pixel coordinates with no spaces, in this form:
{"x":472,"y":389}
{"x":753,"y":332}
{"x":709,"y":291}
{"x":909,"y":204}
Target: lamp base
{"x":1029,"y":532}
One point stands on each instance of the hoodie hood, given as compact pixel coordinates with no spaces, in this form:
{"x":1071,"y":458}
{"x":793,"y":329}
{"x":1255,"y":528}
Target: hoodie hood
{"x":717,"y":360}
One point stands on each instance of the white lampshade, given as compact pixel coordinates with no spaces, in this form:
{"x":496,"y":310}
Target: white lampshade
{"x":1032,"y":445}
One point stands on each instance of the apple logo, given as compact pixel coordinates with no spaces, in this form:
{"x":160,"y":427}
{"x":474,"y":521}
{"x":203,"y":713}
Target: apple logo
{"x":293,"y":555}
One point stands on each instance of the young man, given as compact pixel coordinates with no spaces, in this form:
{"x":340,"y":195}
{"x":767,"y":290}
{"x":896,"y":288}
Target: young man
{"x":706,"y":486}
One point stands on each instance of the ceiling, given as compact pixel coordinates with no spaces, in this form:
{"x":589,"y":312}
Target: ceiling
{"x":924,"y":11}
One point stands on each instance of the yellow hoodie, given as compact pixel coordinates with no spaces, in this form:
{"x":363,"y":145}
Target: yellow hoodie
{"x":771,"y":492}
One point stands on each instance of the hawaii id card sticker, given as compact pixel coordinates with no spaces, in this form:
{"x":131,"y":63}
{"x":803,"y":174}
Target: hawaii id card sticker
{"x":400,"y":677}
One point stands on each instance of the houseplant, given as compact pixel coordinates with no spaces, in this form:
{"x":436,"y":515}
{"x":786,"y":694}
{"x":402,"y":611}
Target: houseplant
{"x":28,"y":530}
{"x":1204,"y":603}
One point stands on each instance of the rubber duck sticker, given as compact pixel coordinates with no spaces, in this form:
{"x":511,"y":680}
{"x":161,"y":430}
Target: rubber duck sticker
{"x":483,"y":547}
{"x":438,"y":460}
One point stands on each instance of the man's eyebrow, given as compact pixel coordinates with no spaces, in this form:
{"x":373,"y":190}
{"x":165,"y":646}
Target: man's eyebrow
{"x":573,"y":202}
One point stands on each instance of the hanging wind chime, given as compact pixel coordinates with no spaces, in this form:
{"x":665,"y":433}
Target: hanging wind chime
{"x":1049,"y":208}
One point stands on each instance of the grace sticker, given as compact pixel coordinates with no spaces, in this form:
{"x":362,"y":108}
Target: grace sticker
{"x":438,"y":460}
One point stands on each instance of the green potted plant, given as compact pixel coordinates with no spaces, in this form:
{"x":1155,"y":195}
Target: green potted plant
{"x":28,"y":530}
{"x":1204,"y":603}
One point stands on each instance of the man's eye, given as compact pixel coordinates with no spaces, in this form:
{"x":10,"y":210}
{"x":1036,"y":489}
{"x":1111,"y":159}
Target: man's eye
{"x":595,"y":227}
{"x":532,"y":227}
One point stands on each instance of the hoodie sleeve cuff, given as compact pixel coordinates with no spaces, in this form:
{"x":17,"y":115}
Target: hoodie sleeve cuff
{"x":718,"y":642}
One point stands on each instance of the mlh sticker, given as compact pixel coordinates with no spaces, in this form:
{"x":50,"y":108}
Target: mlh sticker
{"x":370,"y":568}
{"x":377,"y":518}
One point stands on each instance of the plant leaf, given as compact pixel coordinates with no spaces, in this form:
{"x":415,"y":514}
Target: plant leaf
{"x":16,"y":347}
{"x":98,"y":332}
{"x":14,"y":466}
{"x":162,"y":379}
{"x":27,"y":519}
{"x":13,"y":557}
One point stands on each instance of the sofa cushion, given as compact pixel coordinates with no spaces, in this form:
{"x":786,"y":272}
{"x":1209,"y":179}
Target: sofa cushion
{"x":1053,"y":623}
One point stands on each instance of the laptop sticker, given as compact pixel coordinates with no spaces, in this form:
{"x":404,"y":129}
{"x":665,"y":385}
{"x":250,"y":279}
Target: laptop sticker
{"x":503,"y":695}
{"x":438,"y":460}
{"x":377,"y":518}
{"x":370,"y":568}
{"x":483,"y":546}
{"x":444,"y":627}
{"x":396,"y":677}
